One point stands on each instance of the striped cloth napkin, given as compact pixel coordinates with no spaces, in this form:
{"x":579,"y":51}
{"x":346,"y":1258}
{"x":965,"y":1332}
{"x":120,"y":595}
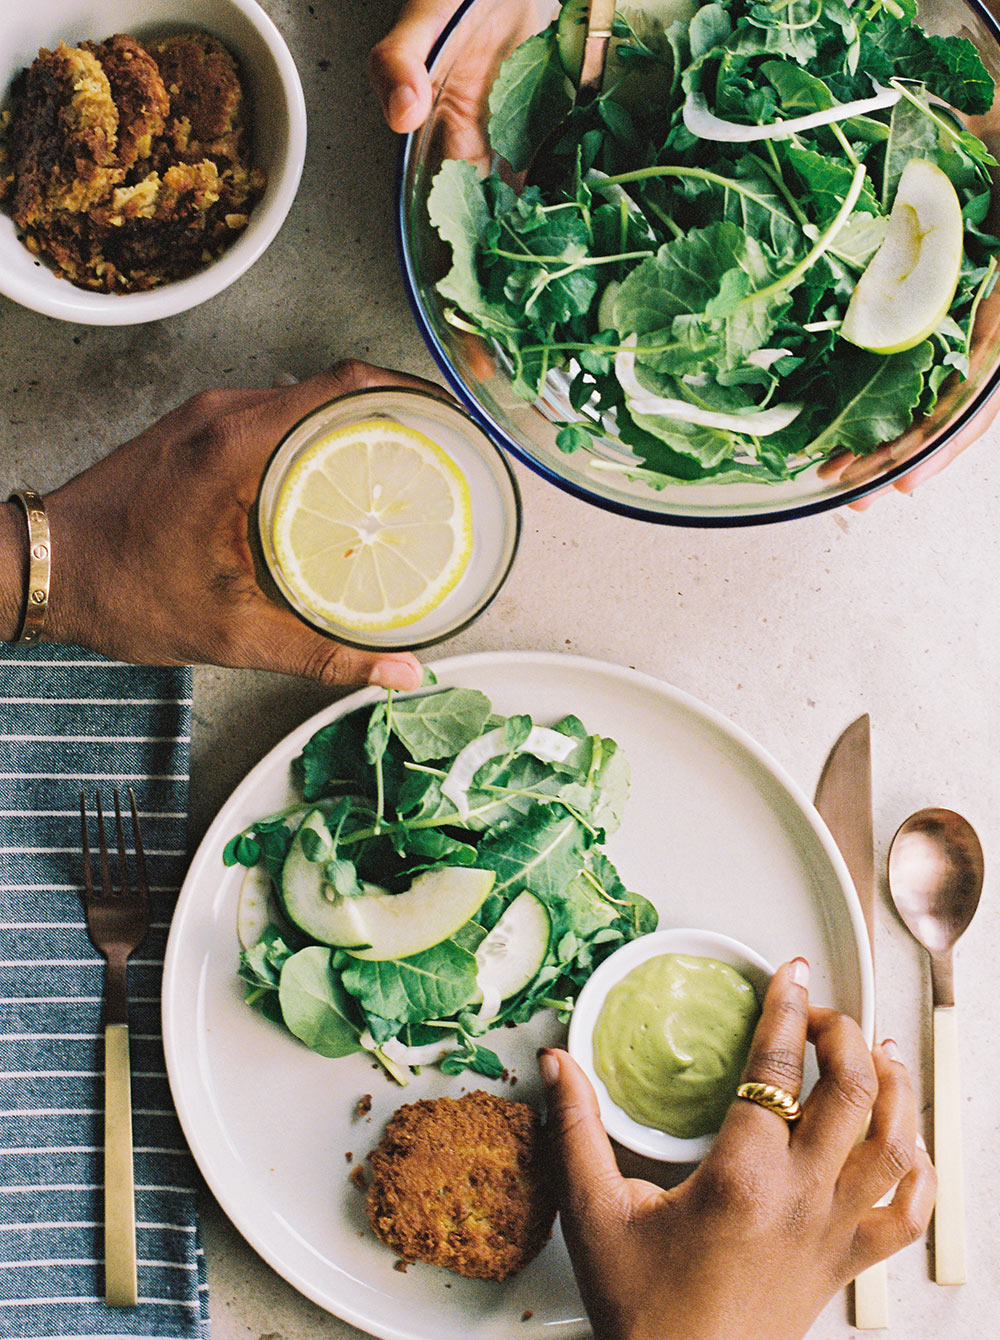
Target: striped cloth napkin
{"x":70,"y":721}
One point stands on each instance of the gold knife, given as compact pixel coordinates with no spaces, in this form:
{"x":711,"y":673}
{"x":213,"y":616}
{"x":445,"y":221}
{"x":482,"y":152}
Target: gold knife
{"x":844,"y":800}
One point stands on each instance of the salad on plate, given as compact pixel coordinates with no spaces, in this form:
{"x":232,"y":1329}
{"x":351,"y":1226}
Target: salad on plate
{"x":443,"y":875}
{"x":760,"y":244}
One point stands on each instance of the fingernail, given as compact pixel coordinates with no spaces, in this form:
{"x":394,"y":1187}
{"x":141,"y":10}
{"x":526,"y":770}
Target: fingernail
{"x":285,"y":379}
{"x":891,"y":1050}
{"x":394,"y":675}
{"x":799,"y":972}
{"x":548,"y":1065}
{"x":401,"y":99}
{"x":921,"y":1143}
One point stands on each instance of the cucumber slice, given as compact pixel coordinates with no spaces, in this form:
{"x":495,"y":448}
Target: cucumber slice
{"x":309,"y":902}
{"x":512,"y":953}
{"x":256,"y":909}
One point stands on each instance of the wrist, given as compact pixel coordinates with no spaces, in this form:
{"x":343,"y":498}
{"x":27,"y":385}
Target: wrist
{"x":69,"y":618}
{"x":13,"y":568}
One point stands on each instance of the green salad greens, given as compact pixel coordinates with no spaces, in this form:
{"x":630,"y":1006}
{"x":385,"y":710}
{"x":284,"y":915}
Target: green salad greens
{"x":443,"y":875}
{"x":675,"y":254}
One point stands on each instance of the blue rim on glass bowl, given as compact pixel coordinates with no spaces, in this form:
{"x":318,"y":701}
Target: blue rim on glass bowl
{"x":529,"y":435}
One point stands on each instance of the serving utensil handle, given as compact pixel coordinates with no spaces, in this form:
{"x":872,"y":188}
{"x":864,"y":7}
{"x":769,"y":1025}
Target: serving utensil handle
{"x":871,"y":1289}
{"x":871,"y":1298}
{"x":949,"y":1211}
{"x":120,"y":1284}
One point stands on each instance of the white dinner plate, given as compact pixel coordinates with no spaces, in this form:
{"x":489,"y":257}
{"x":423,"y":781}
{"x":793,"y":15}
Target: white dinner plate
{"x":715,"y":833}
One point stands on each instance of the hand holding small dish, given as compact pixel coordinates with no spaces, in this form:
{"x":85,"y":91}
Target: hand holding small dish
{"x":758,"y":1237}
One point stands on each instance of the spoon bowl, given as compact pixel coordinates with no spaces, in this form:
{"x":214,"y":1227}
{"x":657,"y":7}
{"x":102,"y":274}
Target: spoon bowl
{"x":936,"y":873}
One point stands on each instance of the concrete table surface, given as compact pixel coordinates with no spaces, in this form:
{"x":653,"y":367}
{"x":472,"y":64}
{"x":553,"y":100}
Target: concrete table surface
{"x":791,"y":630}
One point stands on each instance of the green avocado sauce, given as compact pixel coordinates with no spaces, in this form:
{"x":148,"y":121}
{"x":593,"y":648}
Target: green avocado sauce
{"x":671,"y":1041}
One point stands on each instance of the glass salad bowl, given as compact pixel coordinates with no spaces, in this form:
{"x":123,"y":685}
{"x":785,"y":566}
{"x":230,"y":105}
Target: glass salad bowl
{"x":597,"y":459}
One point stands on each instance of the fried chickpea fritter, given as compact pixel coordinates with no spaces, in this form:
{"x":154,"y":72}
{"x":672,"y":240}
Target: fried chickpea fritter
{"x":126,"y":165}
{"x":460,"y":1183}
{"x":138,"y":93}
{"x":206,"y":100}
{"x":63,"y":137}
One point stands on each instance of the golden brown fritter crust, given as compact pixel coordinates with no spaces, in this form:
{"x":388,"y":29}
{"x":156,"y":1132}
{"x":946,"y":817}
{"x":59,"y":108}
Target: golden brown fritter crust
{"x":138,"y":92}
{"x":124,"y":176}
{"x":460,"y":1183}
{"x":62,"y":137}
{"x":206,"y":100}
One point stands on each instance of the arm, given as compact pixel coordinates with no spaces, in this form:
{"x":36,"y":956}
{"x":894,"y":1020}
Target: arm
{"x":151,"y":557}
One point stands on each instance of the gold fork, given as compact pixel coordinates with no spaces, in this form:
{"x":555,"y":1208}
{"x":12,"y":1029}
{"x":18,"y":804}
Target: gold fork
{"x":117,"y":923}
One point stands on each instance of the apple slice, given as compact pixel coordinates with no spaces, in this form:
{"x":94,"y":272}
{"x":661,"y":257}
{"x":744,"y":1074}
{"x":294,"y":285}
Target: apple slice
{"x":432,"y":909}
{"x":375,"y":924}
{"x":256,"y":909}
{"x":909,"y":284}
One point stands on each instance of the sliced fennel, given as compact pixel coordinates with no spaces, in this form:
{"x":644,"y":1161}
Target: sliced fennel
{"x":756,"y":422}
{"x":551,"y":746}
{"x":427,"y":1054}
{"x":763,"y":358}
{"x":707,"y":126}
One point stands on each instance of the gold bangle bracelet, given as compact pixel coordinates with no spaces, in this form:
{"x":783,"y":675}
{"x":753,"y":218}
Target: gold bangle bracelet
{"x":36,"y":596}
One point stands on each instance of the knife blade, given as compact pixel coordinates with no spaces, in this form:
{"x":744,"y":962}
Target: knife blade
{"x":844,"y":801}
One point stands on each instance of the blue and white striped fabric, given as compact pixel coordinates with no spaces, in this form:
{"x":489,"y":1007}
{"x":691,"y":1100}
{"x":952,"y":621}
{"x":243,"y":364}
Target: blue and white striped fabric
{"x":70,"y":721}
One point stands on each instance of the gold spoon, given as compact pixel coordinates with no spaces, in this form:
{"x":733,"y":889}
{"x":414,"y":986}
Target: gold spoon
{"x":935,"y":879}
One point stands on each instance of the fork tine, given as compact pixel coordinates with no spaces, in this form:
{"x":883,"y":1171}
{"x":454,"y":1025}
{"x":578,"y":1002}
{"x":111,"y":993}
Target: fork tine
{"x":122,"y":863}
{"x":106,"y":888}
{"x":87,"y":878}
{"x":140,"y":855}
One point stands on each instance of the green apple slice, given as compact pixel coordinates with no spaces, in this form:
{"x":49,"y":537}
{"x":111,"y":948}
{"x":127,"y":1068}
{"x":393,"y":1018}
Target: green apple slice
{"x":437,"y":903}
{"x":374,"y":924}
{"x":256,"y":909}
{"x":909,"y":284}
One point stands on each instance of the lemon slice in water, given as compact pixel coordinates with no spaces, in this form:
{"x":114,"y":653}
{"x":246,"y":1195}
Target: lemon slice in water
{"x":373,"y":526}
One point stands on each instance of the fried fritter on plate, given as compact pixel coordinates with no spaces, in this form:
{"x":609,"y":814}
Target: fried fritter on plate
{"x":461,"y":1183}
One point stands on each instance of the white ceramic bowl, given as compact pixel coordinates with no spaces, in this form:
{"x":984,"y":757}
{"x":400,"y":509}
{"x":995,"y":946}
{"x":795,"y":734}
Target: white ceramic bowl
{"x":619,"y":1125}
{"x":278,"y":121}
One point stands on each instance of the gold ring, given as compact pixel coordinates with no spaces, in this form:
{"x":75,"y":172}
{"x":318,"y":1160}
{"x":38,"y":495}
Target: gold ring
{"x":776,"y":1100}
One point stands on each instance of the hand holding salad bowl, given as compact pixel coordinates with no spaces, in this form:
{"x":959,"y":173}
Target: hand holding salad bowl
{"x":749,"y":278}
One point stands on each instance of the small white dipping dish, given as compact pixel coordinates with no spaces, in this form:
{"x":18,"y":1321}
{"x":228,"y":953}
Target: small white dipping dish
{"x":619,"y":1125}
{"x":278,"y":143}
